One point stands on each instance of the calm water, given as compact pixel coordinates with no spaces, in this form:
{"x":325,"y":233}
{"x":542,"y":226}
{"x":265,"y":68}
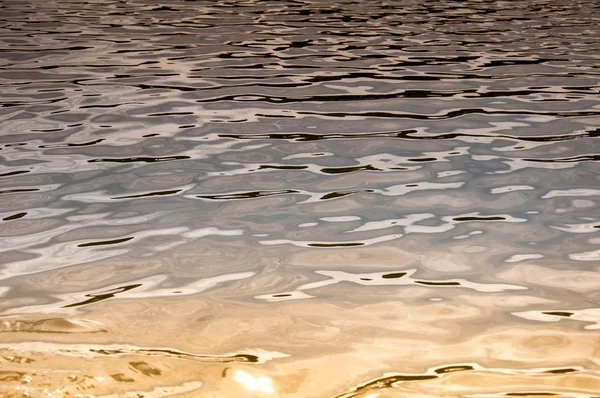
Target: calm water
{"x":299,"y":198}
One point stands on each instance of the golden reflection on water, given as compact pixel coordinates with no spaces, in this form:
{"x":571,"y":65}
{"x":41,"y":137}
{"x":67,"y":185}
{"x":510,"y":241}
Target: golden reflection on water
{"x":347,"y":340}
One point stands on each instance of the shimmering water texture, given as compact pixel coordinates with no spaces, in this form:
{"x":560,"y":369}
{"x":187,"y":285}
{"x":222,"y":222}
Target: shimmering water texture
{"x":299,"y":198}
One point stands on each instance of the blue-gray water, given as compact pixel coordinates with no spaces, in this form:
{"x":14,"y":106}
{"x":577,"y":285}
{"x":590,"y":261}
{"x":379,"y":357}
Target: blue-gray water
{"x":299,"y":198}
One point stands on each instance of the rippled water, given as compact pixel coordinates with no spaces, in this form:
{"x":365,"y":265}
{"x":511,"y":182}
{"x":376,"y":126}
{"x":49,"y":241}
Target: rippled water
{"x":299,"y":198}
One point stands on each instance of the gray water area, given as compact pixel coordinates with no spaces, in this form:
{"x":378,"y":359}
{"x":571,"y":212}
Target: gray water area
{"x":299,"y":198}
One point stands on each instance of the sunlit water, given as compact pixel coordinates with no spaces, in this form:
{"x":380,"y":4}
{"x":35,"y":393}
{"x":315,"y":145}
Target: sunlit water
{"x":299,"y":198}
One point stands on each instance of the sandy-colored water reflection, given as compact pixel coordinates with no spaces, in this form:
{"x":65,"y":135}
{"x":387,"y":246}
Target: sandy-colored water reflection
{"x":345,"y":339}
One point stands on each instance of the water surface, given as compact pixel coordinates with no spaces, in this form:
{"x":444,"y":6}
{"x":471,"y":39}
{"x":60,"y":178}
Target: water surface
{"x":299,"y":198}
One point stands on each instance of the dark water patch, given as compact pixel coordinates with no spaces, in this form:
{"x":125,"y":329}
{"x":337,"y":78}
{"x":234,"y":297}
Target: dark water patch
{"x":562,"y":371}
{"x":146,"y":195}
{"x":423,"y":160}
{"x":167,"y":87}
{"x":275,"y":116}
{"x":393,"y":275}
{"x":105,"y":106}
{"x":73,"y":48}
{"x":125,"y":76}
{"x":278,"y":167}
{"x":142,"y":159}
{"x":138,"y":51}
{"x":429,"y":283}
{"x":582,"y":158}
{"x":343,"y":170}
{"x":336,"y":195}
{"x":348,"y":244}
{"x":14,"y":173}
{"x":558,"y":313}
{"x":65,"y":145}
{"x":46,"y":130}
{"x":9,"y":191}
{"x":15,"y":216}
{"x":104,"y":242}
{"x":171,"y":114}
{"x":455,"y":368}
{"x":490,"y":218}
{"x":247,"y":195}
{"x":97,"y":297}
{"x":508,"y":62}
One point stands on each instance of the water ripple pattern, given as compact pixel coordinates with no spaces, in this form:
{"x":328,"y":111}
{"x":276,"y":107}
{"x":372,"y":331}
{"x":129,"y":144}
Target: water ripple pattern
{"x":290,"y":105}
{"x":290,"y":132}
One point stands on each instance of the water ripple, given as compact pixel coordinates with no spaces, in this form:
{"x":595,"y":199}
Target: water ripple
{"x":417,"y":155}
